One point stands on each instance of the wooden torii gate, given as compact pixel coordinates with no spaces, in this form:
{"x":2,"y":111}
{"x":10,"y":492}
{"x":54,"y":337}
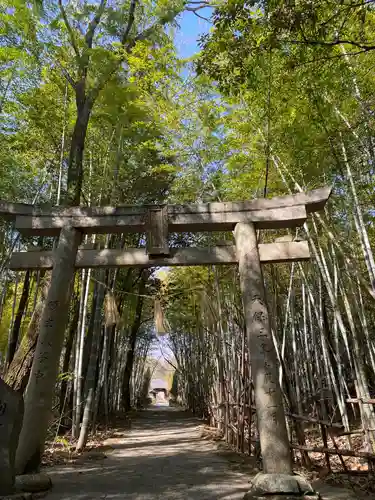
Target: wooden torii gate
{"x":244,"y":218}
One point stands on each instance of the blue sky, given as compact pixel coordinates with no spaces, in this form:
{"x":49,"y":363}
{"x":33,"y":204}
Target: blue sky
{"x":191,"y":28}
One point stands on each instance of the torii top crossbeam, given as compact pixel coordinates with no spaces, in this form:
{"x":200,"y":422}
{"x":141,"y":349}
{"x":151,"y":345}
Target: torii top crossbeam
{"x":157,"y":221}
{"x":313,"y":201}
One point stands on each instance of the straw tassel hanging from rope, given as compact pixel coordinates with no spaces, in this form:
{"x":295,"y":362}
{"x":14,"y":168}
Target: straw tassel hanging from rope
{"x":111,"y":314}
{"x":161,"y":322}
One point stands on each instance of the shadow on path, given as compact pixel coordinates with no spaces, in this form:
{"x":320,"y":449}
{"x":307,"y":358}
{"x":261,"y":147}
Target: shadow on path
{"x":161,"y":457}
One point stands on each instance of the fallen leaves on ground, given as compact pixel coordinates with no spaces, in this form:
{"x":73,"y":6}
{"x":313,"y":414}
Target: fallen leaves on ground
{"x":61,"y":450}
{"x":356,"y":478}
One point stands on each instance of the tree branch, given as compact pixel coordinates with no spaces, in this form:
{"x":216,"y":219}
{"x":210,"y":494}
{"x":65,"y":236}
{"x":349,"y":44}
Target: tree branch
{"x":198,"y":7}
{"x":364,"y":46}
{"x":131,"y":18}
{"x":70,"y":31}
{"x":67,"y":75}
{"x":94,"y":24}
{"x":201,"y":17}
{"x":127,"y":46}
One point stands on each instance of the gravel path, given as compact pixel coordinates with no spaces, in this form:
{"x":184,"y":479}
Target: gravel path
{"x":162,"y":457}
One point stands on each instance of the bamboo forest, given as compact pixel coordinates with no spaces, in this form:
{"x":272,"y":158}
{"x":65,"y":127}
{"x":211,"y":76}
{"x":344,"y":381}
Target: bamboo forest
{"x":187,"y":249}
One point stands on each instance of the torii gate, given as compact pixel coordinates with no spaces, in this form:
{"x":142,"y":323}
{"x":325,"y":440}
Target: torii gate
{"x":245,"y":218}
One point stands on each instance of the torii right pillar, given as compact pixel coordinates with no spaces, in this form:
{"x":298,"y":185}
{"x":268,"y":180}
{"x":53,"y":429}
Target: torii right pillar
{"x":277,"y":480}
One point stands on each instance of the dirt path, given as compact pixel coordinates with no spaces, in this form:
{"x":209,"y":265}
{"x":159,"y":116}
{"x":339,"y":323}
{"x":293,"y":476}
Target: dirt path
{"x":162,"y":457}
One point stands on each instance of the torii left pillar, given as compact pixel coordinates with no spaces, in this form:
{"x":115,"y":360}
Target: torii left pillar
{"x":39,"y":393}
{"x":277,"y":480}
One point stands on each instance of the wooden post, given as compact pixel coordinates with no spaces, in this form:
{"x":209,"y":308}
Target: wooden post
{"x":273,"y":434}
{"x":39,"y":393}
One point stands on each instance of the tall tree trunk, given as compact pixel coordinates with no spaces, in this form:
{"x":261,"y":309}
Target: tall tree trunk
{"x":67,"y":356}
{"x":131,"y":346}
{"x":102,"y":367}
{"x":62,"y":149}
{"x":77,"y":146}
{"x":92,"y":366}
{"x":13,"y":338}
{"x":89,"y":336}
{"x":80,"y":339}
{"x":18,"y":372}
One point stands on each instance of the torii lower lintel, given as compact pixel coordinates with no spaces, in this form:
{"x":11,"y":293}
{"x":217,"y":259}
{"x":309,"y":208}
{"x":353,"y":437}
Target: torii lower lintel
{"x":137,"y":257}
